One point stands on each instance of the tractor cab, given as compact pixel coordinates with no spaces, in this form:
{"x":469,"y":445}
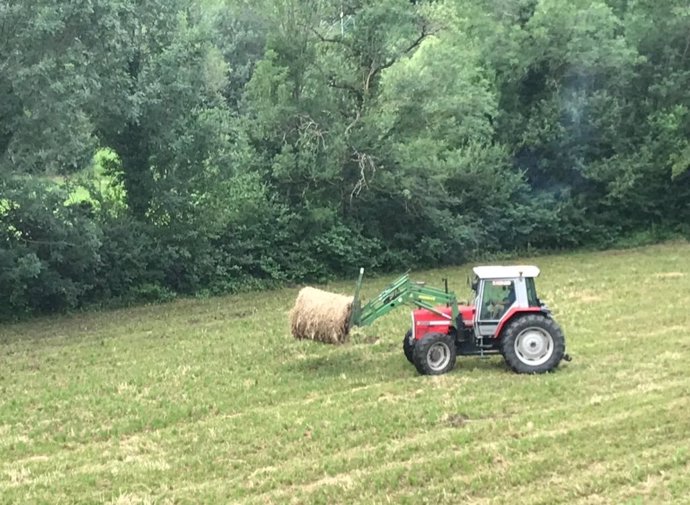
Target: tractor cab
{"x":501,"y":292}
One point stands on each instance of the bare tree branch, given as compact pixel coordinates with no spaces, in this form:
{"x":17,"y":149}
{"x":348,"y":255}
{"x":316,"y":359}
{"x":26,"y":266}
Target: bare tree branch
{"x":365,"y":162}
{"x":331,"y":82}
{"x":310,"y":127}
{"x":353,"y":123}
{"x":327,"y":39}
{"x":374,"y":70}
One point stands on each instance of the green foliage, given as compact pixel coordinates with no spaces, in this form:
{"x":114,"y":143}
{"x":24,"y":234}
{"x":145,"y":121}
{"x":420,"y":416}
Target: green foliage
{"x":219,"y":145}
{"x":50,"y":255}
{"x":43,"y":53}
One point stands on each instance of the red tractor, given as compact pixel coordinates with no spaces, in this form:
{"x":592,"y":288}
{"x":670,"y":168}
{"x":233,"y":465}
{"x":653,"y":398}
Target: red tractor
{"x":507,"y":318}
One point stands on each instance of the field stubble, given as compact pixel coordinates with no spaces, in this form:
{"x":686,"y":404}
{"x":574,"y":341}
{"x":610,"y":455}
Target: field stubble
{"x":212,"y":401}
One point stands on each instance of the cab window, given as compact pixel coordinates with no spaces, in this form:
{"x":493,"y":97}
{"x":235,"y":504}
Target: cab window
{"x":498,"y":296}
{"x":532,"y":299}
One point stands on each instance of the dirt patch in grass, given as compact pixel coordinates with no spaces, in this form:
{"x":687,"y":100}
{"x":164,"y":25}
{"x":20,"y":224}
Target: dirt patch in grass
{"x":669,"y":275}
{"x":586,"y":296}
{"x":457,"y":420}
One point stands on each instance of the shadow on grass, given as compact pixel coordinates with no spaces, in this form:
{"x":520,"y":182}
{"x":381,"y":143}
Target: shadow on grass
{"x":495,"y":365}
{"x":353,"y":364}
{"x":334,"y":364}
{"x":491,"y":366}
{"x":362,"y":369}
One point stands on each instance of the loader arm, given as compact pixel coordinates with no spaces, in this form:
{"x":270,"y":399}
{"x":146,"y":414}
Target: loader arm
{"x":403,"y":291}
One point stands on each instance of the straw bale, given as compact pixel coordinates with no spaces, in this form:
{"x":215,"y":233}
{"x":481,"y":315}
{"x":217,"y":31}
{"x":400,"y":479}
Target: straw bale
{"x":321,"y":316}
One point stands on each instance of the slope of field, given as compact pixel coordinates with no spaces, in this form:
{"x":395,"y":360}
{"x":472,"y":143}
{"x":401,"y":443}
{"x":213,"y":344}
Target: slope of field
{"x":213,"y":402}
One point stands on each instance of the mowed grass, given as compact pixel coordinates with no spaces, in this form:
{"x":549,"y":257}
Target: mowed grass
{"x":212,"y":401}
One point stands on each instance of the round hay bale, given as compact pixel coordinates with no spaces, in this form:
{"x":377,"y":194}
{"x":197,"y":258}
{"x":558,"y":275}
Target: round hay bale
{"x":321,"y":316}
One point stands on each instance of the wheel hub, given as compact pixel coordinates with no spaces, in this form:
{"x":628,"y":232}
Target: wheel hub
{"x":438,"y":356}
{"x":534,"y":346}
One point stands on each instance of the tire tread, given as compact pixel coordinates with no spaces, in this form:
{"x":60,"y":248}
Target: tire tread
{"x":421,"y":348}
{"x":513,"y":330}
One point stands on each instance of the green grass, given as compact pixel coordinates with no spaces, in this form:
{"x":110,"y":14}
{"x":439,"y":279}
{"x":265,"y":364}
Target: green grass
{"x":213,"y":402}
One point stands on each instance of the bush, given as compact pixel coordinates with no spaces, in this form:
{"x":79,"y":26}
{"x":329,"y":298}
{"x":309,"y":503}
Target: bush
{"x":50,"y":252}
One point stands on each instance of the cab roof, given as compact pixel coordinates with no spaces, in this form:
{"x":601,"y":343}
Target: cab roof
{"x":505,"y":272}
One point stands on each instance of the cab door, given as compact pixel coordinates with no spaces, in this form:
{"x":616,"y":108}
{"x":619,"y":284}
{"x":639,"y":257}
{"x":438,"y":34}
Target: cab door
{"x":494,"y":299}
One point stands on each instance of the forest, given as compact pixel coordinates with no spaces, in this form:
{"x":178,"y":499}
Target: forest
{"x":159,"y":148}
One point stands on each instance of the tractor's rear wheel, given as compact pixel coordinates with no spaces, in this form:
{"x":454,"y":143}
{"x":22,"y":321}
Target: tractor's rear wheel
{"x":434,"y":354}
{"x":533,"y":344}
{"x":408,"y":346}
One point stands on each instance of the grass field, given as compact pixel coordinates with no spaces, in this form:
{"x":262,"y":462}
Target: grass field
{"x":211,"y":401}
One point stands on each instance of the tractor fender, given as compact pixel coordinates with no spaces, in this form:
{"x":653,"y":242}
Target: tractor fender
{"x":517,"y":312}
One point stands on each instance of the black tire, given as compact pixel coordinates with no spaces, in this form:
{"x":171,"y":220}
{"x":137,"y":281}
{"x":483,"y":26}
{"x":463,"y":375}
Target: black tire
{"x":434,"y":354}
{"x":408,"y":346}
{"x":533,"y":344}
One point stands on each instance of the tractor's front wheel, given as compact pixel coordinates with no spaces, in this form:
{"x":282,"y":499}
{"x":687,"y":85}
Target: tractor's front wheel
{"x":408,"y":346}
{"x":533,"y":344}
{"x":434,"y":354}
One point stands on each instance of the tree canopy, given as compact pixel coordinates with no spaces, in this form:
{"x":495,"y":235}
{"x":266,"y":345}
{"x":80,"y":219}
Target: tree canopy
{"x":150,"y":148}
